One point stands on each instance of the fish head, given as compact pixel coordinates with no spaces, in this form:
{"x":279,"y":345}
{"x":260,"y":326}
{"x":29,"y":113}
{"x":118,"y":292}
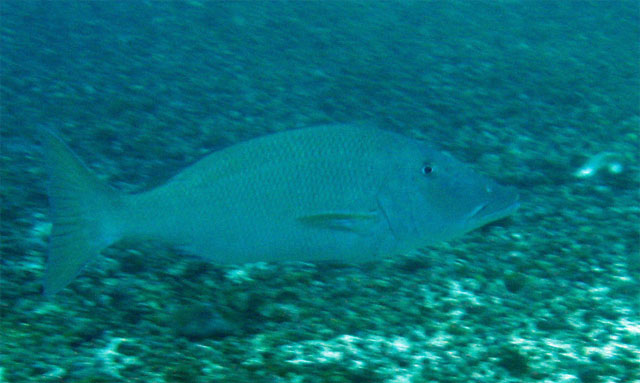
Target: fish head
{"x":430,"y":196}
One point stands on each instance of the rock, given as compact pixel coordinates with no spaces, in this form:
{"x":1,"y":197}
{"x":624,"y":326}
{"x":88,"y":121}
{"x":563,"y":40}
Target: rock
{"x":200,"y":321}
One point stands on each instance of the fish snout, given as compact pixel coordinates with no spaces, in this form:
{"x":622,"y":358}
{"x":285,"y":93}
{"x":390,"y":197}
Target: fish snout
{"x":500,"y":202}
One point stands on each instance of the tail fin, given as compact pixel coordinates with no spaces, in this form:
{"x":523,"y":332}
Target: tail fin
{"x":85,"y":214}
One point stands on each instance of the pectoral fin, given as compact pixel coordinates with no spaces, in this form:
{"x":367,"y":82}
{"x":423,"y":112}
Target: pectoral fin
{"x":355,"y":222}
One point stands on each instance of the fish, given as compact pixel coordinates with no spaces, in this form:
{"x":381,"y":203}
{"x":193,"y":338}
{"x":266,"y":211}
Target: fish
{"x":345,"y":192}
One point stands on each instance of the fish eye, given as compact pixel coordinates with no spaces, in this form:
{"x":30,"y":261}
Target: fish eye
{"x":427,"y":169}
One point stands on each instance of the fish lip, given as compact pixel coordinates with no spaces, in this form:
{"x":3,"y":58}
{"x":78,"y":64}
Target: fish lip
{"x":482,"y":215}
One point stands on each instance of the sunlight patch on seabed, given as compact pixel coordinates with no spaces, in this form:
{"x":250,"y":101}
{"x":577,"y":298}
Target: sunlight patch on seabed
{"x":355,"y":351}
{"x":328,"y":355}
{"x":440,"y":339}
{"x":599,"y":293}
{"x":524,"y":343}
{"x":402,"y":379}
{"x":567,"y":348}
{"x":563,"y":378}
{"x":400,"y":344}
{"x":114,"y":360}
{"x":610,"y":350}
{"x":630,"y":326}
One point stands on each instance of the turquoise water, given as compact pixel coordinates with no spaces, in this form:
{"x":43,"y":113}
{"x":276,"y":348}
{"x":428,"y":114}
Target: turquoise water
{"x":526,"y":92}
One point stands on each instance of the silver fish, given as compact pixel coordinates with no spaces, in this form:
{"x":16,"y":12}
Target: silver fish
{"x":346,"y":192}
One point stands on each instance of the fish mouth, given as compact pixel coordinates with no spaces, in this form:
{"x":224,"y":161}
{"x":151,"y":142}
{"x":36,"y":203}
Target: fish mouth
{"x":493,"y":210}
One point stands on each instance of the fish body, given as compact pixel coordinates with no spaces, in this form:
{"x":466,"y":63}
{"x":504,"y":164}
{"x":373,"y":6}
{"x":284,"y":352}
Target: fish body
{"x":346,"y":192}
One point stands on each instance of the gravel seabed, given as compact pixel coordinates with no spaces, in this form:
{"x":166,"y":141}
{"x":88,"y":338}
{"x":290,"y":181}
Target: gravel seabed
{"x":526,"y":92}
